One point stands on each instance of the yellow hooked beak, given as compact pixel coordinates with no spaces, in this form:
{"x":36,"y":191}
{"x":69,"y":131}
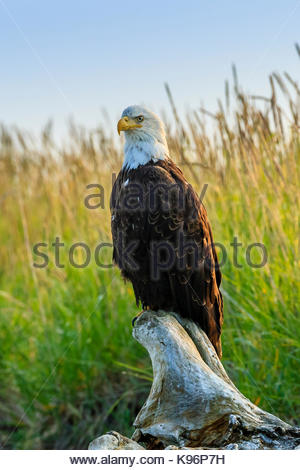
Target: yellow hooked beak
{"x":127,"y":123}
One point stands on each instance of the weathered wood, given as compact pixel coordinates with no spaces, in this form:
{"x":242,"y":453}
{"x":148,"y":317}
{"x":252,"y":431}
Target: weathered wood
{"x":114,"y":441}
{"x":192,"y":401}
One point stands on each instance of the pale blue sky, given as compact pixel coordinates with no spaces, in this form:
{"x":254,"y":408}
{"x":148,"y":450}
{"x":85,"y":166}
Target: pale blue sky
{"x":75,"y":57}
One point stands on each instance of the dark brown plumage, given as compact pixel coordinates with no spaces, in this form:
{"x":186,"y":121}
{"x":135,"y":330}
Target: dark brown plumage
{"x":154,"y":211}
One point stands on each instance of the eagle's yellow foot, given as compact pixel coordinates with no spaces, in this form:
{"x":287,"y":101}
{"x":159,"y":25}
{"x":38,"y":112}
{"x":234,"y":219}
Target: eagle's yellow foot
{"x":137,"y":316}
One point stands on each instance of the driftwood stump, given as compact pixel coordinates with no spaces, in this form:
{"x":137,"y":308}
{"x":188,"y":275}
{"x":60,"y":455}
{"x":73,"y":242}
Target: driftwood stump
{"x":192,"y":401}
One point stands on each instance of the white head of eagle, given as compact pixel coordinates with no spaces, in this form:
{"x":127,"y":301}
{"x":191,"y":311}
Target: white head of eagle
{"x":145,"y":138}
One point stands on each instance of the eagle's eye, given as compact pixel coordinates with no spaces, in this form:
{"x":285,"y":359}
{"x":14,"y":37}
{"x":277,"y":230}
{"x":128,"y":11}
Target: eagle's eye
{"x":140,"y":118}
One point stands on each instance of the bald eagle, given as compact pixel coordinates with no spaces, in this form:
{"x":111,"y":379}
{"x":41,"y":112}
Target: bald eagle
{"x":162,"y":239}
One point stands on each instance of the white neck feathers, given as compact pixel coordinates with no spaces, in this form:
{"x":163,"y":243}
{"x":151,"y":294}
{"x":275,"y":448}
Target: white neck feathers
{"x":141,"y":148}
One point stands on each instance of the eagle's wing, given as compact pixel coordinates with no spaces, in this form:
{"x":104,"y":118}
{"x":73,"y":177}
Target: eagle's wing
{"x":195,"y":276}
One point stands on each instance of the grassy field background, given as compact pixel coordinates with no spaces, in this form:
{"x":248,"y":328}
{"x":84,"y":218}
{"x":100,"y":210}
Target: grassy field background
{"x":69,"y":367}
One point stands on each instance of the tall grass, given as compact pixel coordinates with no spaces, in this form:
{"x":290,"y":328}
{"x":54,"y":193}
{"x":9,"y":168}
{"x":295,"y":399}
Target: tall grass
{"x":70,"y":369}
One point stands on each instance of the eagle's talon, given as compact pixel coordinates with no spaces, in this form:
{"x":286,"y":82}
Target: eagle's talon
{"x":136,"y":317}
